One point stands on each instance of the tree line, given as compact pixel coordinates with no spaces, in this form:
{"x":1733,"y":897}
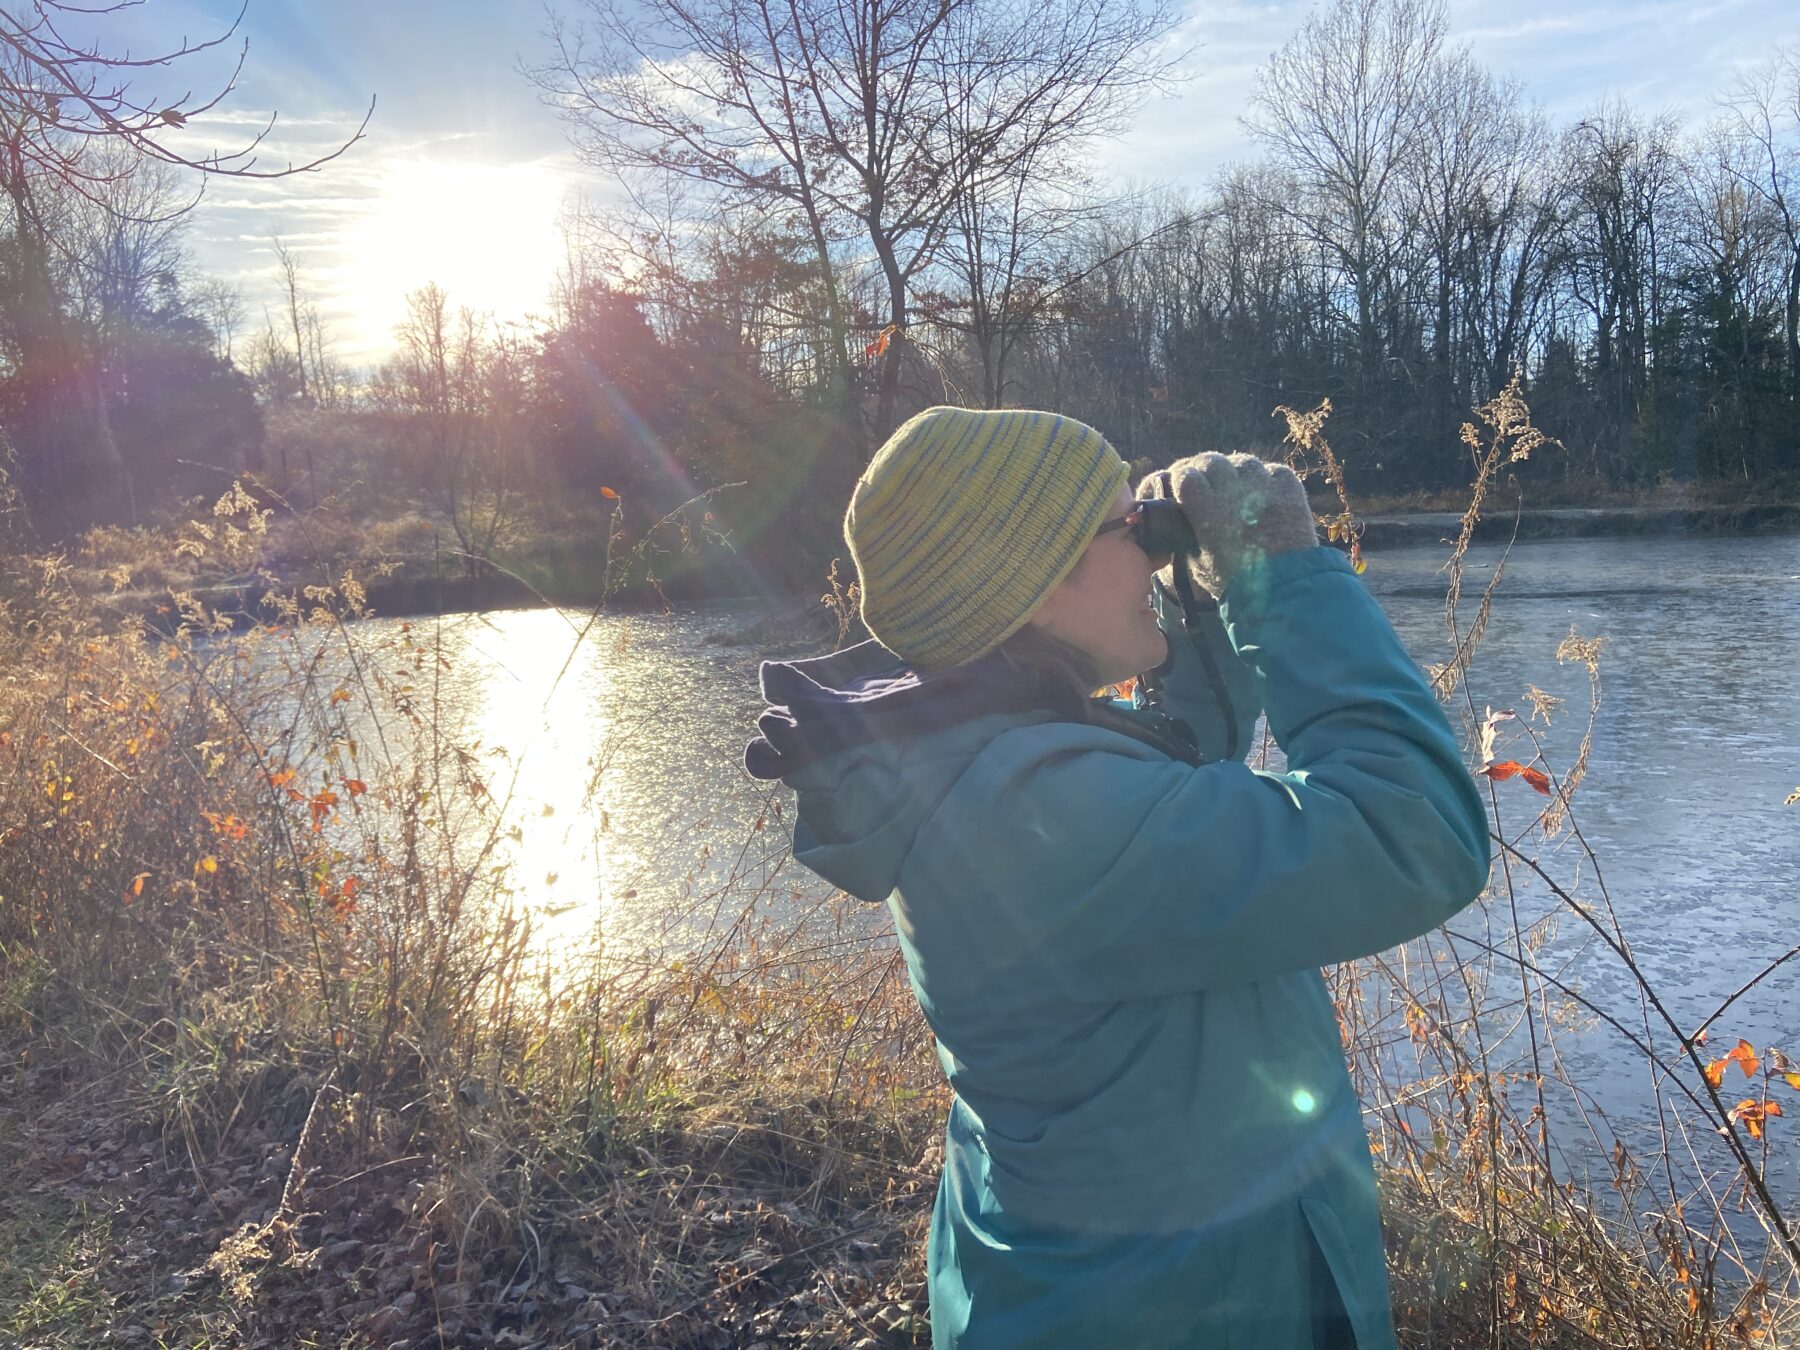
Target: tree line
{"x":1409,"y":232}
{"x":835,"y":212}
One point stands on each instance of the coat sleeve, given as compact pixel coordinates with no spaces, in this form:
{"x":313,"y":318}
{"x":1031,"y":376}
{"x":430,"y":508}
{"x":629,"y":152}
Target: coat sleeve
{"x":1204,"y":683}
{"x":1112,"y":872}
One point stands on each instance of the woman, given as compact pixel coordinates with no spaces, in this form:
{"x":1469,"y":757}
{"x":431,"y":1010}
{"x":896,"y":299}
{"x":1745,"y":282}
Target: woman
{"x":1113,"y":926}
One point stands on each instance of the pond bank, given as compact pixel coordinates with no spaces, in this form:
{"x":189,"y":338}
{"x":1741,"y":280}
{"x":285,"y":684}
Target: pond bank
{"x":1398,"y":529}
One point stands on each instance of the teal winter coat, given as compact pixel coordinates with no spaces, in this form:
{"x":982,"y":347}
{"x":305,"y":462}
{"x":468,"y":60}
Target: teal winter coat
{"x":1153,"y":1141}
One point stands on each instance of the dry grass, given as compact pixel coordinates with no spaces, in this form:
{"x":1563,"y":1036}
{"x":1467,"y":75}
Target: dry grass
{"x":269,"y":1007}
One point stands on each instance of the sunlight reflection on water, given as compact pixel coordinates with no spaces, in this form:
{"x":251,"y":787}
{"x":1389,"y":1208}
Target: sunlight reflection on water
{"x":614,"y":755}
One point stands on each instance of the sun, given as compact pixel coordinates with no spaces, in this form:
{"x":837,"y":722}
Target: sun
{"x":487,"y":234}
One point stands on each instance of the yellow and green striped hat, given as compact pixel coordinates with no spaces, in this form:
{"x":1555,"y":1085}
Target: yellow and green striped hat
{"x":965,"y":520}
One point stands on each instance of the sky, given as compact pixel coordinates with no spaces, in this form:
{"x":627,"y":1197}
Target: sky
{"x":462,"y":174}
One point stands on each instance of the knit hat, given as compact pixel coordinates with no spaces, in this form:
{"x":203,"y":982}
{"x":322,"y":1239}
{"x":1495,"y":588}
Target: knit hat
{"x":965,"y":520}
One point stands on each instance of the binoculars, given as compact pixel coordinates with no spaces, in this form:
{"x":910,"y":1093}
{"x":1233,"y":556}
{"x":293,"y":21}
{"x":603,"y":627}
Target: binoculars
{"x":1158,"y":525}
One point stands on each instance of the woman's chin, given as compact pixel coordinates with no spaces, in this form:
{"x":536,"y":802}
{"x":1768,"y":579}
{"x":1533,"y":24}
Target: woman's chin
{"x":1155,"y":652}
{"x":1142,"y":656}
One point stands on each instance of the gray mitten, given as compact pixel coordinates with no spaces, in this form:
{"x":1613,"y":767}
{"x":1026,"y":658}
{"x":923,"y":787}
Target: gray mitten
{"x":1242,"y":510}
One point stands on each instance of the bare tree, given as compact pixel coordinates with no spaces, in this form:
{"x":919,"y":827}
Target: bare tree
{"x":61,"y":96}
{"x":290,"y":290}
{"x":79,"y":266}
{"x":331,"y":383}
{"x":269,"y":361}
{"x":1620,"y":175}
{"x":71,"y":121}
{"x":221,"y":306}
{"x":869,"y":120}
{"x":1483,"y":218}
{"x":1345,"y":108}
{"x":119,"y":244}
{"x":1765,"y":109}
{"x":457,"y":394}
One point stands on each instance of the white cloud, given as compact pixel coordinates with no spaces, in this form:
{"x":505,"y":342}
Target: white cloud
{"x":1530,"y":28}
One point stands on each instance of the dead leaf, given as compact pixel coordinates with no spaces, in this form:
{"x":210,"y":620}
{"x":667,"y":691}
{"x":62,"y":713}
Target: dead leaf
{"x":880,"y":345}
{"x":1743,"y":1054}
{"x":1752,"y":1115}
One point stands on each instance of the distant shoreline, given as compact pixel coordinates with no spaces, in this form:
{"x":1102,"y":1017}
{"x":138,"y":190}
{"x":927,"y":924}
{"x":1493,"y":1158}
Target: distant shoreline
{"x":561,"y":577}
{"x":1394,"y":529}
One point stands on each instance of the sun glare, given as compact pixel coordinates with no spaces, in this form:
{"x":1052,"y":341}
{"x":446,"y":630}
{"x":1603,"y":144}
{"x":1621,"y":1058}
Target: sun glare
{"x":486,"y":233}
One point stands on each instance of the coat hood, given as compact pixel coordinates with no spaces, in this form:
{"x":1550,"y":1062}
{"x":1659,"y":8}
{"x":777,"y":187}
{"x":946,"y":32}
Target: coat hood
{"x":872,"y":745}
{"x":865,"y":696}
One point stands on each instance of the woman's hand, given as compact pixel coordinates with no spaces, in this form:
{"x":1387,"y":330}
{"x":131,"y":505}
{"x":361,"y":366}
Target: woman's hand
{"x":1242,"y":510}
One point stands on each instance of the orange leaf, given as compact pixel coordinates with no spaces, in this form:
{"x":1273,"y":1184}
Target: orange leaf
{"x":1537,"y":778}
{"x":320,"y":805}
{"x":1715,"y":1072}
{"x":229,"y":826}
{"x":1751,"y":1113}
{"x":1772,"y":1108}
{"x":1500,"y":772}
{"x":609,"y":494}
{"x":340,"y":695}
{"x":137,"y":886}
{"x":880,"y":345}
{"x":208,"y":864}
{"x":1744,"y":1055}
{"x":339,"y":899}
{"x":355,"y":786}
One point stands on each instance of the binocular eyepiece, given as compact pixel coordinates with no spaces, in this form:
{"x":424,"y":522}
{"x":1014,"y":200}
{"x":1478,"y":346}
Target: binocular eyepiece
{"x":1158,"y":525}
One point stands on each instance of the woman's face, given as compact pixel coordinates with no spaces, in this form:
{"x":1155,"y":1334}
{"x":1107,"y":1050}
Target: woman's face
{"x":1102,"y":608}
